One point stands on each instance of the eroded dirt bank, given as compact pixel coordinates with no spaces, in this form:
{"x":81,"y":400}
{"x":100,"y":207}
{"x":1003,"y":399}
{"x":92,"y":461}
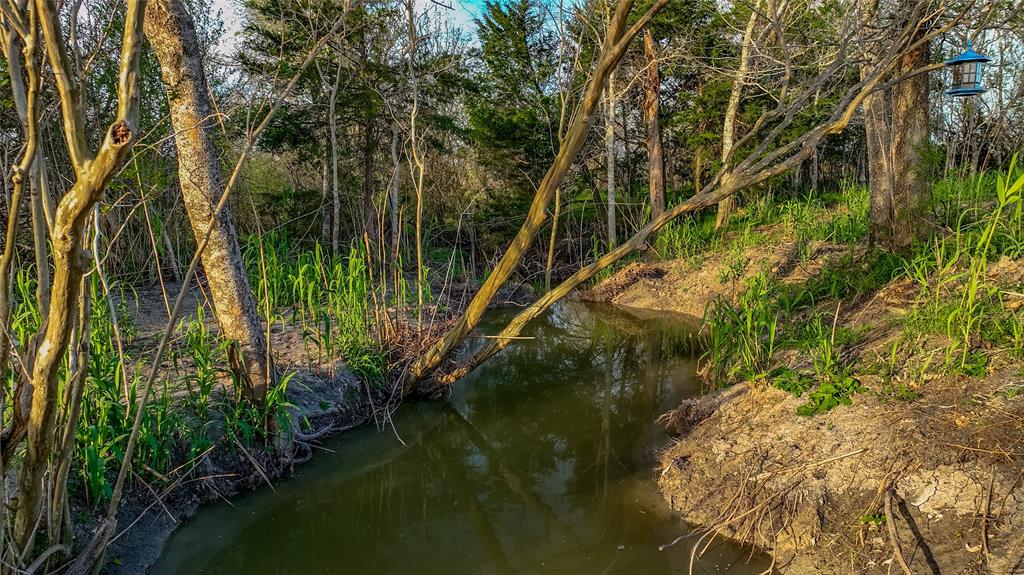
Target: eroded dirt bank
{"x":924,"y":461}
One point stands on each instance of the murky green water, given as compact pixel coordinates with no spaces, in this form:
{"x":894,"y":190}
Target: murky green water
{"x":540,"y":462}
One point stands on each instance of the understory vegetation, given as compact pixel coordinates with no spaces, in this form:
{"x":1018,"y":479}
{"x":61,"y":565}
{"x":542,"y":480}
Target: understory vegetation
{"x":806,"y":336}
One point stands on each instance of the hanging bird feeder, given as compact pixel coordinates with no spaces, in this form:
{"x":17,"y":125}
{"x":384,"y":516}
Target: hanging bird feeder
{"x":967,"y":73}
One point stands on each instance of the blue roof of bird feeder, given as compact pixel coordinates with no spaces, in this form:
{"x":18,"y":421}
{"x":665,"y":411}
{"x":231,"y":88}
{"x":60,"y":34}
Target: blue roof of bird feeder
{"x":968,"y":56}
{"x":962,"y":87}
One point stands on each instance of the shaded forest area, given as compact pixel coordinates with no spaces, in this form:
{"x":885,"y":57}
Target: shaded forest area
{"x":200,"y":229}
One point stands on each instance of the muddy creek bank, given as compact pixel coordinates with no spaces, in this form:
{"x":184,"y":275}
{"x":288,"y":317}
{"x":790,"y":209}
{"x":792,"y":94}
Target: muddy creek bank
{"x":540,"y":462}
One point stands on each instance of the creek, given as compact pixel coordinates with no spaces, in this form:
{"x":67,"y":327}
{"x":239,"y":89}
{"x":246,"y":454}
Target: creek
{"x":541,"y":461}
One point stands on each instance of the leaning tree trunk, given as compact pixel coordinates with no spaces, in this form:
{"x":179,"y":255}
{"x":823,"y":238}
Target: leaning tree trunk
{"x":172,"y":35}
{"x":620,"y":34}
{"x":896,"y":124}
{"x":655,"y":149}
{"x":727,"y":205}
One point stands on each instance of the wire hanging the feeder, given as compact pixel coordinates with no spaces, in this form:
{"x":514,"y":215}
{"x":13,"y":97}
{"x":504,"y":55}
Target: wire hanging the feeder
{"x":967,"y":69}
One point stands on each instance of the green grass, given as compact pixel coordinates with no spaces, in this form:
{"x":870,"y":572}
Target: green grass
{"x":746,"y":338}
{"x":333,"y":299}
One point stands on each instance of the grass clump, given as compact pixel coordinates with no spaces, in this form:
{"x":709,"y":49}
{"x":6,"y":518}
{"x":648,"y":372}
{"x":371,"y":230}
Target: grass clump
{"x":330,"y":297}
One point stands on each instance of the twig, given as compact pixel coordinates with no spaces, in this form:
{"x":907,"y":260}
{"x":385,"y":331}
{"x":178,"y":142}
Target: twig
{"x":44,"y":556}
{"x":256,"y":464}
{"x":158,"y":498}
{"x":986,"y":510}
{"x":768,"y":474}
{"x":891,"y":525}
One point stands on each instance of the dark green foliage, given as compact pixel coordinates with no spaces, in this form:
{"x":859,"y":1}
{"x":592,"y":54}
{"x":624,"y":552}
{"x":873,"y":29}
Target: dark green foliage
{"x":513,"y":105}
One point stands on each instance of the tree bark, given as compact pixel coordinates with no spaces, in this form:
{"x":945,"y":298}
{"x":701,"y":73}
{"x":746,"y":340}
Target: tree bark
{"x":609,"y":144}
{"x":369,"y":210}
{"x":171,"y":33}
{"x":332,"y":119}
{"x":325,"y":198}
{"x":655,"y":149}
{"x":369,"y":145}
{"x":896,"y":124}
{"x":93,"y":172}
{"x":396,"y":228}
{"x":727,"y":205}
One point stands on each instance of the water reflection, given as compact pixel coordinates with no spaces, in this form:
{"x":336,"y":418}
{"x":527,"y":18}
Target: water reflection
{"x":539,"y":463}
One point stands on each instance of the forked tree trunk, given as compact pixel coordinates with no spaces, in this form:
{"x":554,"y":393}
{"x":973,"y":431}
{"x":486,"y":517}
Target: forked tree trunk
{"x":93,"y":172}
{"x":655,"y":149}
{"x":172,"y":35}
{"x":896,"y":124}
{"x":726,"y":206}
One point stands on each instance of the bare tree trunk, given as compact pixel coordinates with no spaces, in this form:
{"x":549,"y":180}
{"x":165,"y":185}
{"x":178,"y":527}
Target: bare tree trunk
{"x":172,"y":257}
{"x":172,"y":35}
{"x":609,"y":144}
{"x":814,"y":172}
{"x":655,"y":149}
{"x":369,"y":144}
{"x":39,"y":178}
{"x":727,"y":205}
{"x":332,"y":120}
{"x":325,"y":199}
{"x":39,"y":238}
{"x":416,"y":160}
{"x":369,"y":210}
{"x":396,"y":227}
{"x":698,"y":153}
{"x":93,"y":173}
{"x":7,"y":186}
{"x":552,"y":239}
{"x":896,"y":123}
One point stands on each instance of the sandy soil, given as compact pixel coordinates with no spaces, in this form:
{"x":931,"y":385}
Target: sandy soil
{"x":940,"y":474}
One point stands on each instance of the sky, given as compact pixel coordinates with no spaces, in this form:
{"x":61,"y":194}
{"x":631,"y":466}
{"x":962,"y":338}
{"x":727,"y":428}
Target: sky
{"x":461,"y":14}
